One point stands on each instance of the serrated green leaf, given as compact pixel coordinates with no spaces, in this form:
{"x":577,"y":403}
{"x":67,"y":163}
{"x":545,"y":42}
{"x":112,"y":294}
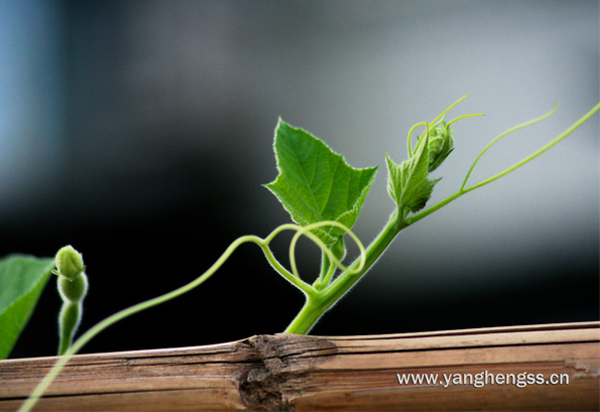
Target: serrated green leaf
{"x":22,"y":280}
{"x":408,"y":184}
{"x":315,"y":183}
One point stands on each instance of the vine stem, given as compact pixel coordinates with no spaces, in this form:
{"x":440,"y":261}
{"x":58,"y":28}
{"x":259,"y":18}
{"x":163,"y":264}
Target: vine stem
{"x":315,"y":306}
{"x":70,"y":317}
{"x":293,"y":278}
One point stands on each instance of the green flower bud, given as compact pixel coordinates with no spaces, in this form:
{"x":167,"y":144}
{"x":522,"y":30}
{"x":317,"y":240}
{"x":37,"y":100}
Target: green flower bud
{"x":441,"y":145}
{"x":73,"y":290}
{"x":69,"y":262}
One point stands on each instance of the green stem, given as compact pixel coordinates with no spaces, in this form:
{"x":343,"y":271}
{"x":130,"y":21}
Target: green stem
{"x":316,"y":306}
{"x":327,"y":269}
{"x":308,"y":316}
{"x":69,"y":318}
{"x":329,"y":274}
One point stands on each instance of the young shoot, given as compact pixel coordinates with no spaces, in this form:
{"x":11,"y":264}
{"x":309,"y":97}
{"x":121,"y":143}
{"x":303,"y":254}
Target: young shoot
{"x":72,"y":286}
{"x":324,"y":196}
{"x":409,"y":187}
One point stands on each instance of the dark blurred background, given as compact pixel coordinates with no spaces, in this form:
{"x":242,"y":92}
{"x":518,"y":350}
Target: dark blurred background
{"x":140,"y":132}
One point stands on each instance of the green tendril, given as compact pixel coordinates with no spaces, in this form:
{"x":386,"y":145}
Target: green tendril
{"x":506,"y":133}
{"x":306,"y":231}
{"x":463,"y":189}
{"x":293,"y":277}
{"x":442,"y":114}
{"x":408,"y":141}
{"x":464,"y":117}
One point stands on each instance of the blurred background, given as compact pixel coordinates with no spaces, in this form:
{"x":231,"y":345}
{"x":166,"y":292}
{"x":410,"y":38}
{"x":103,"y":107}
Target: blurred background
{"x":141,"y":132}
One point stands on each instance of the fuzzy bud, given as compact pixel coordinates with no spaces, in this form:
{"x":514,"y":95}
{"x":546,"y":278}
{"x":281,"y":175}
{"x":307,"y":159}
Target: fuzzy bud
{"x":69,"y":262}
{"x":441,"y":145}
{"x":73,"y":290}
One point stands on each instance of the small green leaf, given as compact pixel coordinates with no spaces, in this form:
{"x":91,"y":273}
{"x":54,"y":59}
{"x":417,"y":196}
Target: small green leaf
{"x":315,"y":183}
{"x":408,"y":184}
{"x":22,"y":280}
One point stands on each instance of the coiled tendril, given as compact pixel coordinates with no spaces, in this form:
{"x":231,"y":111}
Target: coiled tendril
{"x":293,"y":277}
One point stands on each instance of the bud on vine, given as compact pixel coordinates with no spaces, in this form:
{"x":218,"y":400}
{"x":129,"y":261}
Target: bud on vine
{"x":69,"y":263}
{"x":73,"y":290}
{"x":72,"y":286}
{"x":441,"y":144}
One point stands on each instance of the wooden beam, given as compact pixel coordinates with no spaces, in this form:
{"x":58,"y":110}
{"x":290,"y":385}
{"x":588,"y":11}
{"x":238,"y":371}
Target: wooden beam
{"x":508,"y":368}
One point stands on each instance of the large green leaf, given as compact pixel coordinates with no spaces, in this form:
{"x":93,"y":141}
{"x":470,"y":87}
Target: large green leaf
{"x":22,"y":280}
{"x":315,"y":183}
{"x":408,"y":184}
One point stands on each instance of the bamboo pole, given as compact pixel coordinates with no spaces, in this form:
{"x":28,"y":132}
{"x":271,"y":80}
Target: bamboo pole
{"x":307,"y":373}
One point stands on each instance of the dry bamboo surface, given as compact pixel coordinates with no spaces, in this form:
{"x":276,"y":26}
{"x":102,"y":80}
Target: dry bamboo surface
{"x":292,"y":372}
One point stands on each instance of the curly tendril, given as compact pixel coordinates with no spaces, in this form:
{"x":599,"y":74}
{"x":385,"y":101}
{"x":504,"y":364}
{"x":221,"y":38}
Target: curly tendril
{"x":293,"y":277}
{"x":306,"y":231}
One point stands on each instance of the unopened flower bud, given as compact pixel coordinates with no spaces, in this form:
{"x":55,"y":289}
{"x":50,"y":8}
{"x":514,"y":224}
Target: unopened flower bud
{"x":441,"y":145}
{"x":69,"y":262}
{"x":73,"y":290}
